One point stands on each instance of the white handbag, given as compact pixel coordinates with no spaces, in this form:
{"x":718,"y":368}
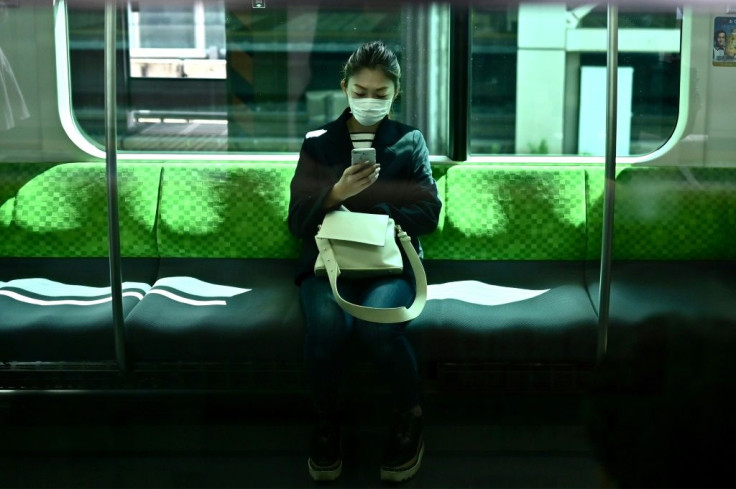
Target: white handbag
{"x":356,"y":244}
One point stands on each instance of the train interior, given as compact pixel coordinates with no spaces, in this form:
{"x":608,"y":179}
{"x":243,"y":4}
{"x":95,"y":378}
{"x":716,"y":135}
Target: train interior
{"x":579,"y":325}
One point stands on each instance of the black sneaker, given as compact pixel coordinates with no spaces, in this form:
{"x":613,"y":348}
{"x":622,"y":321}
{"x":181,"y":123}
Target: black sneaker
{"x":404,"y":450}
{"x":325,"y":457}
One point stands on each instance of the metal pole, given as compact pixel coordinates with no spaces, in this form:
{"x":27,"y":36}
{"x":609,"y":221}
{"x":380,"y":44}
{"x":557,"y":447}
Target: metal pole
{"x":113,"y":227}
{"x":604,"y":297}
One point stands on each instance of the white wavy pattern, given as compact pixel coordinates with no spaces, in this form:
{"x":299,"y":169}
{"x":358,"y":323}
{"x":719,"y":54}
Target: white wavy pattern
{"x":480,"y":293}
{"x":195,"y":287}
{"x":184,"y":300}
{"x":50,"y":288}
{"x":64,"y":302}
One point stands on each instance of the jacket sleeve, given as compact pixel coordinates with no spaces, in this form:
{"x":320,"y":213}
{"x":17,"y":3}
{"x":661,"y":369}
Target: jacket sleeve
{"x":309,"y":187}
{"x":419,"y":210}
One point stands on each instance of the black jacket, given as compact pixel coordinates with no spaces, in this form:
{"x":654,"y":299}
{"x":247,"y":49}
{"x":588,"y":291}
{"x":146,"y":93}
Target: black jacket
{"x":405,"y":189}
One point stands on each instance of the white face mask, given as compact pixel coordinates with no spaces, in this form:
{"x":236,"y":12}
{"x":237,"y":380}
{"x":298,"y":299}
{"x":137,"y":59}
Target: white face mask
{"x":369,"y":111}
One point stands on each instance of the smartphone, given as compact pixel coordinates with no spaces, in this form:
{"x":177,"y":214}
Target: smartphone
{"x":363,"y":155}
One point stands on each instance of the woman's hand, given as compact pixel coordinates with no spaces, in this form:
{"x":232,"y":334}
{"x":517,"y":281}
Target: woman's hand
{"x":353,"y":181}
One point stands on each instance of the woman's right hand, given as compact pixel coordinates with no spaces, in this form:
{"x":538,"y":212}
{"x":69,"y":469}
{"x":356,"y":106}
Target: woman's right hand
{"x":353,"y":181}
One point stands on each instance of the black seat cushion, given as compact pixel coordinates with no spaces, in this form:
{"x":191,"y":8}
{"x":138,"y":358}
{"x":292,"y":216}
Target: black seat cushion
{"x":641,"y":290}
{"x":506,"y":311}
{"x":59,"y":309}
{"x":664,"y":292}
{"x":219,"y":310}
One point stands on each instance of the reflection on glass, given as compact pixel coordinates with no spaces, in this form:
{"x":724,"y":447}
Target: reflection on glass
{"x":493,"y":80}
{"x":217,"y":76}
{"x":177,"y":40}
{"x":214,"y":76}
{"x":535,"y":73}
{"x":12,"y":104}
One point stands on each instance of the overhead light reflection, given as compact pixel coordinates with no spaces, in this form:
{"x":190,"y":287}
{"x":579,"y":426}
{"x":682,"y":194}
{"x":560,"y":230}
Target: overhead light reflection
{"x":480,"y":293}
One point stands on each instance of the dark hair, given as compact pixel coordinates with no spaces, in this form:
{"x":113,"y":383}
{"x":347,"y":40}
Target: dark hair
{"x":372,"y":55}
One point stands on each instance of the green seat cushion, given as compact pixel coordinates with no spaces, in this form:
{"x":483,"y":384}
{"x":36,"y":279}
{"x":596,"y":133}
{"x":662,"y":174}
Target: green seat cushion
{"x":511,"y":213}
{"x":226,"y":210}
{"x":48,"y":320}
{"x":13,"y":176}
{"x":62,"y":212}
{"x":672,"y":213}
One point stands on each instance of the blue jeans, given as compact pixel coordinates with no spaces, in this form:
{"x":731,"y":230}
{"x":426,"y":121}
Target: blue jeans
{"x":330,"y":329}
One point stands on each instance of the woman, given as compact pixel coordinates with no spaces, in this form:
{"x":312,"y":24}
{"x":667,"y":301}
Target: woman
{"x":400,"y":184}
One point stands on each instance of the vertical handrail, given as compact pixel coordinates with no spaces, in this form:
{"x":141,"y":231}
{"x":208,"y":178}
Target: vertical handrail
{"x":604,"y":296}
{"x":113,"y":226}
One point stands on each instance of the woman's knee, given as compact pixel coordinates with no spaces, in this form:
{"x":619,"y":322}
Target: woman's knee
{"x":326,"y":327}
{"x":380,"y":338}
{"x":388,"y":292}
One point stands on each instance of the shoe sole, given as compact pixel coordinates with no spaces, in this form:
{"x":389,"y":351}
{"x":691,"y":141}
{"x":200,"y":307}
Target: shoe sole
{"x":400,"y":475}
{"x":324,"y":474}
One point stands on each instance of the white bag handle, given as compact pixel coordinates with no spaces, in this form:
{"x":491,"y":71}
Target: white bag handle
{"x":374,"y":314}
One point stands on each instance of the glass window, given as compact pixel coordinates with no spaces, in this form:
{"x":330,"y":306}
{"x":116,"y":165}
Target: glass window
{"x":493,"y":80}
{"x":182,"y":40}
{"x":217,"y":76}
{"x":166,"y":27}
{"x":538,"y":79}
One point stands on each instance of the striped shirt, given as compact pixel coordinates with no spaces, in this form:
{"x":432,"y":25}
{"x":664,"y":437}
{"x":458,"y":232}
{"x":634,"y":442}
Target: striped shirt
{"x":362,"y":139}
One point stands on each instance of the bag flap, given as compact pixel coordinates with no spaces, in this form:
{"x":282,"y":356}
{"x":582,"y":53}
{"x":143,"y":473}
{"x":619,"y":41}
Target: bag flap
{"x":355,"y":226}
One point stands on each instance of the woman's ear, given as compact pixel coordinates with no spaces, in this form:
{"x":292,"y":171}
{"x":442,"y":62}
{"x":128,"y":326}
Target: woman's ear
{"x":344,"y":86}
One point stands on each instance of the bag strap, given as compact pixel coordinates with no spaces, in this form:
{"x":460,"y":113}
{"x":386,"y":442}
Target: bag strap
{"x":375,"y":314}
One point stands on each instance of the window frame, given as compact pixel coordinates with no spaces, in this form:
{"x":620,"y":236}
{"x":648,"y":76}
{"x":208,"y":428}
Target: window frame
{"x":458,"y":149}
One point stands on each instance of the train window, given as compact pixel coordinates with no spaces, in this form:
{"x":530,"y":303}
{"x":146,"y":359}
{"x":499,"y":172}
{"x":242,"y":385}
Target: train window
{"x":224,"y":76}
{"x":198,"y":75}
{"x":493,"y":80}
{"x":538,"y":79}
{"x":177,"y":40}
